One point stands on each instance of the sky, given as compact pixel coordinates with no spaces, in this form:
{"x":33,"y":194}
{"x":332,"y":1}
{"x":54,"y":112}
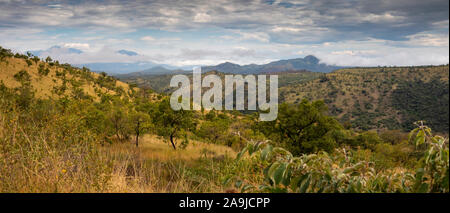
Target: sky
{"x":187,"y":33}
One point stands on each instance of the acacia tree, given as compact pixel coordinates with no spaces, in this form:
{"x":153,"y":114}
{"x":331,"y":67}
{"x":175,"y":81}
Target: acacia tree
{"x":26,"y":93}
{"x":140,"y":122}
{"x":302,"y":128}
{"x":171,"y":123}
{"x":215,"y":127}
{"x":36,"y":59}
{"x":48,"y":59}
{"x":118,"y":115}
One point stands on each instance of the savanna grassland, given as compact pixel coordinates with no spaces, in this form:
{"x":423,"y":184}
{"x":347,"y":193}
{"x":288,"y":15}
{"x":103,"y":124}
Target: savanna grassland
{"x":66,"y":129}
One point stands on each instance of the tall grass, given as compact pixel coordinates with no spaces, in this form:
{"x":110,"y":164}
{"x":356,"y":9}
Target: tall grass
{"x":57,"y":154}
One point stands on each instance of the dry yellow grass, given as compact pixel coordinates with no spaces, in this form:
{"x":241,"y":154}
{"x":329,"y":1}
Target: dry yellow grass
{"x":118,"y":168}
{"x":155,"y":166}
{"x":153,"y":147}
{"x":43,"y":85}
{"x":40,"y":162}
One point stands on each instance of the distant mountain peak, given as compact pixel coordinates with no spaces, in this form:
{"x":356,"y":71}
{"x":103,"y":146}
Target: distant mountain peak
{"x":227,"y":63}
{"x":55,"y":47}
{"x":312,"y":59}
{"x":71,"y":50}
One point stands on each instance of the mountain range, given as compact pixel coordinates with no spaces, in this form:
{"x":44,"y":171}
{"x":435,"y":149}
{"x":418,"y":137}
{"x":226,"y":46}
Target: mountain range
{"x":158,"y":70}
{"x":310,"y":63}
{"x":124,"y":68}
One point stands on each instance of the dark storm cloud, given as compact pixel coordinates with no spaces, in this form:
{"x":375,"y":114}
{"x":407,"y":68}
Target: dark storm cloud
{"x":310,"y":21}
{"x":412,"y":16}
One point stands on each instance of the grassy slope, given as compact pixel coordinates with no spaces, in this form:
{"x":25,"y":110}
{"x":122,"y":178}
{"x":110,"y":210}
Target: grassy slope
{"x":156,"y":167}
{"x":364,"y":95}
{"x":43,"y":85}
{"x":121,"y":167}
{"x":118,"y":167}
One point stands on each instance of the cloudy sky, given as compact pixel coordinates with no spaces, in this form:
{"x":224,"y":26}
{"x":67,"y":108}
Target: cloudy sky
{"x":183,"y":33}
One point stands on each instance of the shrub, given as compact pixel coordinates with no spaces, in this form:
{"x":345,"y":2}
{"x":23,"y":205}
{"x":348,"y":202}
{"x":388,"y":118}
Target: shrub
{"x":343,"y":172}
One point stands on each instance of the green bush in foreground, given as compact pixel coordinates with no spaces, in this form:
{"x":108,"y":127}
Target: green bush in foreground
{"x":341,"y":173}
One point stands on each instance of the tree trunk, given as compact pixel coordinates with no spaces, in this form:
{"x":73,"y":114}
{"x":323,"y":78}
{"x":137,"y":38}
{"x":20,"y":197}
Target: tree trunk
{"x":171,"y":141}
{"x":137,"y":133}
{"x":137,"y":140}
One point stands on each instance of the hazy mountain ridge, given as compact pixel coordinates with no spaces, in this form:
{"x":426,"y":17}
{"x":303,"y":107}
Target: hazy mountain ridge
{"x":118,"y":68}
{"x":309,"y":62}
{"x":158,"y":70}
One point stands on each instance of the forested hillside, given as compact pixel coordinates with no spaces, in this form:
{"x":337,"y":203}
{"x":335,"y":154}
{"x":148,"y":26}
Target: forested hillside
{"x":160,"y":83}
{"x":381,"y":97}
{"x":366,"y":98}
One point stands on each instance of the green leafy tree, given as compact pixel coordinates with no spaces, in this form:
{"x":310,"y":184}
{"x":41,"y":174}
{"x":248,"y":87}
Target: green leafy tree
{"x":433,"y":172}
{"x":29,"y":63}
{"x":48,"y":59}
{"x":119,"y":118}
{"x":213,"y":130}
{"x":170,"y":123}
{"x":140,"y":122}
{"x":303,"y":128}
{"x":42,"y":70}
{"x":36,"y":59}
{"x":96,"y":119}
{"x":26,"y":93}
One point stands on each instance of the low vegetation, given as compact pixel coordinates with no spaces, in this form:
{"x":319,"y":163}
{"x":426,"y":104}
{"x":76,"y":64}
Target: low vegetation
{"x":345,"y":171}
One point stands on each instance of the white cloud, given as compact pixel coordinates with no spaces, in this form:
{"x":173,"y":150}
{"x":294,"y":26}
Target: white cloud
{"x":202,"y":18}
{"x":147,"y":38}
{"x":77,"y":45}
{"x":349,"y":33}
{"x":382,"y":18}
{"x":354,"y":52}
{"x":278,"y":29}
{"x":227,"y":37}
{"x":428,"y":39}
{"x":258,"y":36}
{"x":385,"y":57}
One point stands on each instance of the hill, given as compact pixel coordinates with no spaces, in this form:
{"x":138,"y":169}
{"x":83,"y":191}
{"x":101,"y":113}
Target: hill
{"x":158,"y":70}
{"x":50,"y":79}
{"x":310,"y":63}
{"x":381,"y":97}
{"x":160,"y":82}
{"x":118,"y":68}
